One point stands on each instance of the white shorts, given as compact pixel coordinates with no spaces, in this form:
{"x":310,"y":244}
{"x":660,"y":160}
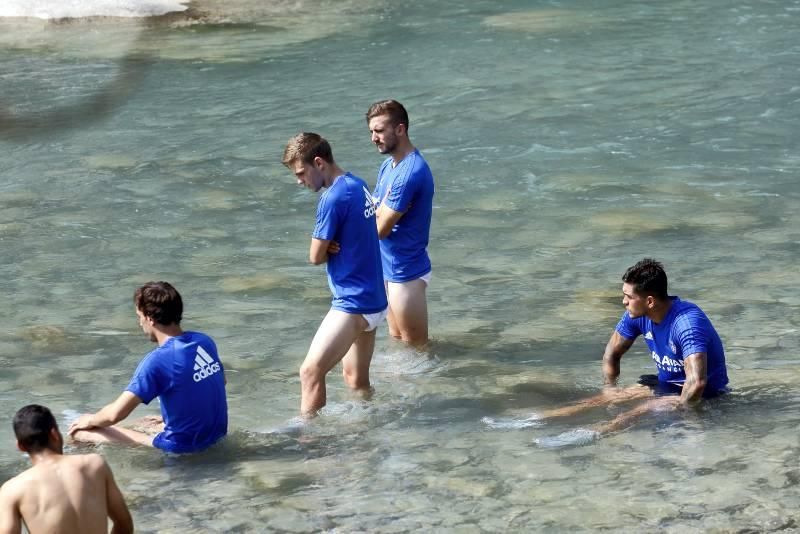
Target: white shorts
{"x":425,"y":278}
{"x":374,"y":319}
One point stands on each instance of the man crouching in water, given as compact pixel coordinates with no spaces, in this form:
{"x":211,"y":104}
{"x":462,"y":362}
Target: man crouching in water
{"x":184,"y":372}
{"x":59,"y":493}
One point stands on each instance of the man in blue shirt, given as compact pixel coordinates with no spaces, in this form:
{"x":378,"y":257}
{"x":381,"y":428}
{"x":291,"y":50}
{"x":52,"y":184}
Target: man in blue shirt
{"x":404,"y":194}
{"x":683,"y":344}
{"x":346,"y":238}
{"x":184,"y":372}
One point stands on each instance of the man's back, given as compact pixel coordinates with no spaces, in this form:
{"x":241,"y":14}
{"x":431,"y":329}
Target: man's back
{"x":64,"y":494}
{"x":346,"y":214}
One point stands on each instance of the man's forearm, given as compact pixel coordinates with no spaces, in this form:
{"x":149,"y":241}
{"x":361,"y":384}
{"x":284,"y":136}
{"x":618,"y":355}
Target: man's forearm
{"x":107,"y":416}
{"x":692,"y":390}
{"x":610,"y":368}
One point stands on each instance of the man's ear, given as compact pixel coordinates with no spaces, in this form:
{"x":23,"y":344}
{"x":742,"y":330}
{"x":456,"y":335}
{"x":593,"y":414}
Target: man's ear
{"x":319,"y":163}
{"x":401,"y":129}
{"x":651,"y":301}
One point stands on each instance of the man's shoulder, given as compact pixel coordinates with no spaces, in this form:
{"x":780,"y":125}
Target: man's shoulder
{"x":13,"y":487}
{"x":418,"y":165}
{"x":194,"y":335}
{"x":687,"y":310}
{"x":355,"y":181}
{"x":90,"y":459}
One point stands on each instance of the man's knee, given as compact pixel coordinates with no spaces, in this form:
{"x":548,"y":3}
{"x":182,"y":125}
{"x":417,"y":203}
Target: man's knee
{"x":311,"y":373}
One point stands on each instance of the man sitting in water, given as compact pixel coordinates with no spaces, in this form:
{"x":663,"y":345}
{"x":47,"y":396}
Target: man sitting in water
{"x":683,"y":343}
{"x":184,"y":372}
{"x":59,"y":493}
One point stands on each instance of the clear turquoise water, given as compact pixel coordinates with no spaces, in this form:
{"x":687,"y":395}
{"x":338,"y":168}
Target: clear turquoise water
{"x":567,"y":141}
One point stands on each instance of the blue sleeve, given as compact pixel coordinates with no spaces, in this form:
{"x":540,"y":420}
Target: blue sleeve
{"x":328,"y":216}
{"x":149,"y":380}
{"x":404,"y":188}
{"x":691,"y":333}
{"x":628,"y":328}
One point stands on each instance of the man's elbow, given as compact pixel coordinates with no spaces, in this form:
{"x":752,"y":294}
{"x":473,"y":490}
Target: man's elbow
{"x":317,"y":260}
{"x":383,"y":233}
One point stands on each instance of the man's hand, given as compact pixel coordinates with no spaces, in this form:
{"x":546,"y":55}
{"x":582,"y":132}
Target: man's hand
{"x":334,"y":247}
{"x":83,"y":422}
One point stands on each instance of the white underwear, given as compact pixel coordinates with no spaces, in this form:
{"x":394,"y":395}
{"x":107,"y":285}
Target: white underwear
{"x":425,"y":278}
{"x":374,"y":319}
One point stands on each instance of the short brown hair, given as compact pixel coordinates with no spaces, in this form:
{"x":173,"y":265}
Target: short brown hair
{"x":394,"y":109}
{"x":160,"y":302}
{"x":305,"y":147}
{"x":32,"y":426}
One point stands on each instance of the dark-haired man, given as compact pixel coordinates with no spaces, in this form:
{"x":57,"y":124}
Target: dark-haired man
{"x":404,"y":194}
{"x":184,"y":372}
{"x":683,"y":344}
{"x":346,"y":239}
{"x":59,"y":493}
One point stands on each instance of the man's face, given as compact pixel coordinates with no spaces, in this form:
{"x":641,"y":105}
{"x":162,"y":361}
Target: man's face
{"x":636,"y":304}
{"x":308,"y":175}
{"x":384,"y":135}
{"x":146,"y":325}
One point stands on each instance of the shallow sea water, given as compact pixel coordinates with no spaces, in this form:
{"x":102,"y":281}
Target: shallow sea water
{"x":567,"y":140}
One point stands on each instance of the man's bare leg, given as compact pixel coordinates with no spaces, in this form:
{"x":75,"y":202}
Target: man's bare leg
{"x":355,"y":364}
{"x":626,"y":419}
{"x":114,"y":434}
{"x":608,"y":396}
{"x":408,"y":312}
{"x":584,"y":436}
{"x":334,"y":337}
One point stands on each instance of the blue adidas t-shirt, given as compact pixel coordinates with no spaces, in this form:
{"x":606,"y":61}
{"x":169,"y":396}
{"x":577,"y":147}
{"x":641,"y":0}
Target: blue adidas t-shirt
{"x":185,"y":373}
{"x":684,"y":331}
{"x":346,"y":214}
{"x":410,"y":188}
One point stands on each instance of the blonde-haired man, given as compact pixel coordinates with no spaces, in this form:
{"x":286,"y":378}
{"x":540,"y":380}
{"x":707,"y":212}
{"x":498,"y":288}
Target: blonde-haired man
{"x":346,"y":239}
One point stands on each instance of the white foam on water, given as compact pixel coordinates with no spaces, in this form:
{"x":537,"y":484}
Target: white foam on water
{"x":59,"y":9}
{"x":571,"y":438}
{"x":509,"y":423}
{"x":292,"y":427}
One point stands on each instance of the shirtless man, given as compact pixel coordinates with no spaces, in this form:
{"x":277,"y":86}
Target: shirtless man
{"x":184,"y":372}
{"x":404,"y":194}
{"x":345,"y":238}
{"x":59,"y":494}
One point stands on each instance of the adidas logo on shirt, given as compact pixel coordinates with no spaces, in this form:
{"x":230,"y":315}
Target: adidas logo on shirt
{"x":204,"y":365}
{"x":369,"y":203}
{"x":649,"y":335}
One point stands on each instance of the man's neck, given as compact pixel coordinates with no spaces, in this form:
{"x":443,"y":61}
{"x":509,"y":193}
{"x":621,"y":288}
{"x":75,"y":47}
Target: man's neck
{"x":163,"y":333}
{"x":660,"y":311}
{"x":44,"y":456}
{"x":334,"y":171}
{"x":403,"y":149}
